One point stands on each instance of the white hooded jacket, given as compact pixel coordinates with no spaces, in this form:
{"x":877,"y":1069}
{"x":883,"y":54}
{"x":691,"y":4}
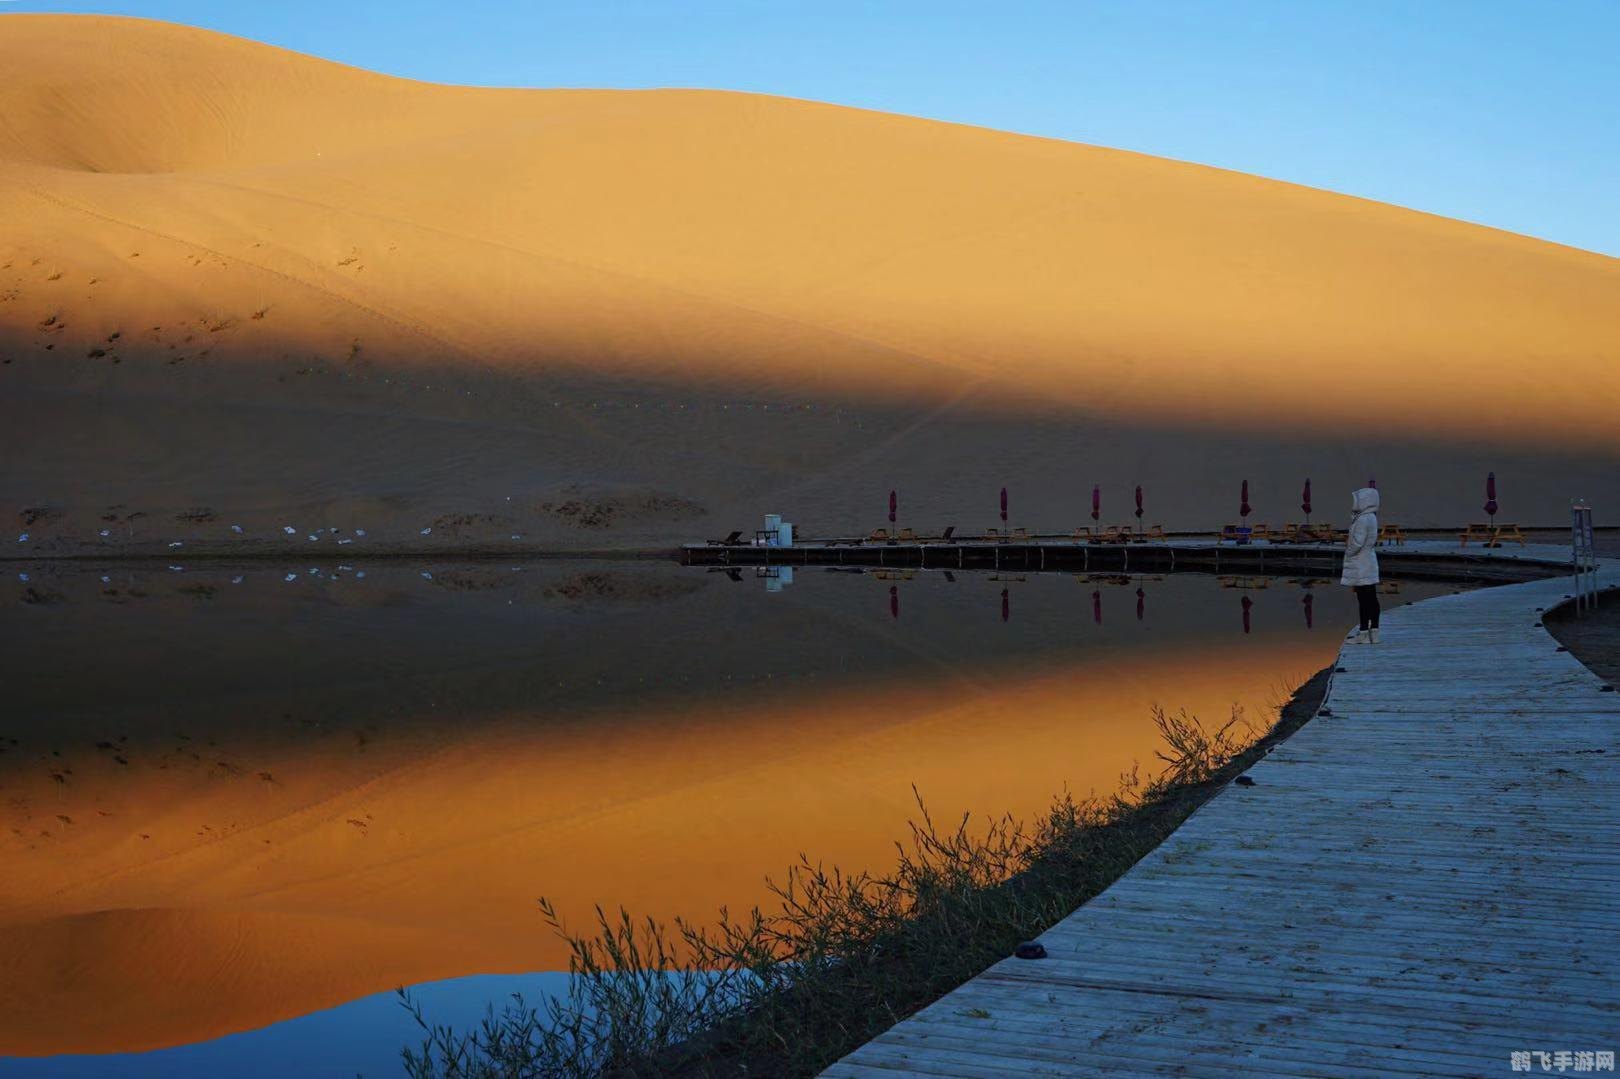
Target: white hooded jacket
{"x":1360,"y":557}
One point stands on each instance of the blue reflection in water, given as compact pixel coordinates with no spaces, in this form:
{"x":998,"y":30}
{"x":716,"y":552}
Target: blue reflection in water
{"x":363,"y":1037}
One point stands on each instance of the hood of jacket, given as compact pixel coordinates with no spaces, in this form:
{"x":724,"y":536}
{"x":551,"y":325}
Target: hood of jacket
{"x":1365,"y":501}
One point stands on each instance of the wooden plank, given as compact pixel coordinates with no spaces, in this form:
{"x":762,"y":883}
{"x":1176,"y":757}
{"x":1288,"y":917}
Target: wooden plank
{"x":1423,"y":881}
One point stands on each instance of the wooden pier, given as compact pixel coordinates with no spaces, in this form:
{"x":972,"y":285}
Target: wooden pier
{"x":1425,"y":879}
{"x":1418,"y":559}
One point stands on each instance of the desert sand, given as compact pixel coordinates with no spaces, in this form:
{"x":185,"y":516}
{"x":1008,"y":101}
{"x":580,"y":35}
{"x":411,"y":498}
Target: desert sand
{"x":242,"y":286}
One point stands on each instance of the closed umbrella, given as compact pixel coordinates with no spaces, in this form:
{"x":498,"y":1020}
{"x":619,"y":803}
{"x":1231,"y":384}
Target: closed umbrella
{"x":1309,"y":602}
{"x":1247,"y":603}
{"x":1139,"y":507}
{"x":1096,"y":503}
{"x":894,"y":601}
{"x":1141,"y":604}
{"x":1096,"y":606}
{"x":1372,"y":481}
{"x":1305,"y":500}
{"x":1490,"y":496}
{"x":1006,"y":608}
{"x":1243,"y":501}
{"x":894,"y":504}
{"x":1004,"y":505}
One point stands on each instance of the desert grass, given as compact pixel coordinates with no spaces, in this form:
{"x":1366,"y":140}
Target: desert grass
{"x":847,"y":954}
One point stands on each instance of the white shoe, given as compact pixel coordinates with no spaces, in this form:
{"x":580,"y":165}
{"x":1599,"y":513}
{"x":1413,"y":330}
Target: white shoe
{"x":1361,"y":638}
{"x":1373,"y":635}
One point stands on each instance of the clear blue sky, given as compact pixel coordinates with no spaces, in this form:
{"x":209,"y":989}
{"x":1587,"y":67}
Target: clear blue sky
{"x":1505,"y":112}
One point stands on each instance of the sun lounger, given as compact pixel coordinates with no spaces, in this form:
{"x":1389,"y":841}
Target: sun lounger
{"x":1020,"y":534}
{"x":1155,"y":532}
{"x":1083,"y":534}
{"x":1235,"y":533}
{"x":1260,"y":532}
{"x":1508,"y":532}
{"x":906,"y":536}
{"x":879,"y":535}
{"x":1491,"y":535}
{"x":1289,"y":534}
{"x":1391,"y":534}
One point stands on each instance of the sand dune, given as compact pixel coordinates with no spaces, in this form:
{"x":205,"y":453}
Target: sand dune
{"x":246,"y":280}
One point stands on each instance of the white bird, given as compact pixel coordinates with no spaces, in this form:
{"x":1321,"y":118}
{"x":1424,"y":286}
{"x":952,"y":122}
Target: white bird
{"x":425,"y":531}
{"x":178,"y":543}
{"x":237,"y":529}
{"x":359,"y":531}
{"x":290,"y":577}
{"x":289,"y":529}
{"x":23,"y":538}
{"x":104,"y":532}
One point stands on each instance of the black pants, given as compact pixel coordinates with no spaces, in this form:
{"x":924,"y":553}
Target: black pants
{"x":1367,"y":599}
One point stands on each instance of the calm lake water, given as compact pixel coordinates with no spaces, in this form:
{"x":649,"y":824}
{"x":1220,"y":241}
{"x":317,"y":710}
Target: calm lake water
{"x":233,"y":799}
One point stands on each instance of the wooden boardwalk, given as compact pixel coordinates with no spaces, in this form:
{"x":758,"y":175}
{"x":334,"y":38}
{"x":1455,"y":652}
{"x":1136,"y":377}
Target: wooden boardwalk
{"x":1424,"y":881}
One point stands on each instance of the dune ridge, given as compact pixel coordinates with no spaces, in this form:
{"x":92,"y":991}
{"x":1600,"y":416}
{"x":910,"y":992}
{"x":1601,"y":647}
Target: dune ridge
{"x":218,"y":251}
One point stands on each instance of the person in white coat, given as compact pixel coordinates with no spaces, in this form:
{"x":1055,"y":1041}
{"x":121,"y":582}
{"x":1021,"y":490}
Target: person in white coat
{"x":1361,"y":562}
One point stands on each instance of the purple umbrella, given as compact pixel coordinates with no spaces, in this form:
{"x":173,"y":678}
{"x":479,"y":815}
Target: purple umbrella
{"x":894,"y":504}
{"x":1490,"y":496}
{"x":1247,"y":603}
{"x":1004,"y":505}
{"x":1139,"y":505}
{"x":1243,"y":503}
{"x":1305,"y":500}
{"x":1096,"y":503}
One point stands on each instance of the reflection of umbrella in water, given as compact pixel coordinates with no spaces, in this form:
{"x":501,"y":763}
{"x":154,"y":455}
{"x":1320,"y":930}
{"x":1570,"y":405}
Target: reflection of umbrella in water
{"x":1305,"y":500}
{"x":1308,"y":603}
{"x":1247,"y":603}
{"x":1096,"y":503}
{"x":894,"y":504}
{"x":1004,"y":505}
{"x":1096,"y":606}
{"x":1005,"y":606}
{"x":1139,"y":506}
{"x":1490,"y":496}
{"x":894,"y":601}
{"x":1141,"y":603}
{"x":1243,"y":502}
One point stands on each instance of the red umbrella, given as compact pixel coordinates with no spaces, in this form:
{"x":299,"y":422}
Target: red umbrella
{"x":894,"y":601}
{"x":1243,"y":504}
{"x":1247,"y":603}
{"x":1005,"y":611}
{"x":1096,"y":503}
{"x":1490,"y":496}
{"x":1004,"y":505}
{"x":1096,"y":606}
{"x":894,"y":504}
{"x":1141,"y":603}
{"x":1139,"y":504}
{"x":1305,"y":500}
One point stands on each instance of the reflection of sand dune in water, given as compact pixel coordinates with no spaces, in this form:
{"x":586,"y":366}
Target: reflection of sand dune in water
{"x":432,"y":299}
{"x":252,"y":901}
